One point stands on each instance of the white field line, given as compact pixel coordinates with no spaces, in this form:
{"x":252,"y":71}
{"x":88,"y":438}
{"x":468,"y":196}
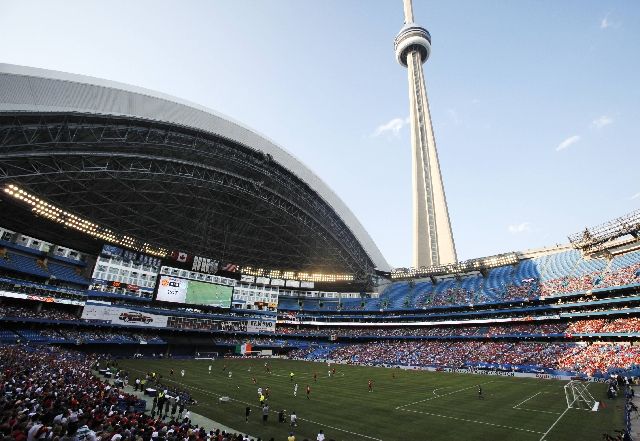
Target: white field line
{"x":522,"y":402}
{"x":434,"y":391}
{"x":443,"y":395}
{"x":273,"y":411}
{"x":536,"y":410}
{"x":559,"y":418}
{"x":553,"y":425}
{"x":473,"y":421}
{"x":517,"y":406}
{"x":341,"y":430}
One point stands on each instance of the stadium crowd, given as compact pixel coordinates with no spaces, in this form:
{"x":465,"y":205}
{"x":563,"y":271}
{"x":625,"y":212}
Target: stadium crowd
{"x":51,"y":394}
{"x":481,"y":330}
{"x":601,"y":358}
{"x":529,"y":288}
{"x":32,"y":313}
{"x":579,"y":358}
{"x":631,"y":324}
{"x":620,"y":277}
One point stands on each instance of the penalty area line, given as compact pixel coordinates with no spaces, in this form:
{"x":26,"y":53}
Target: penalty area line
{"x":517,"y":406}
{"x":440,"y":396}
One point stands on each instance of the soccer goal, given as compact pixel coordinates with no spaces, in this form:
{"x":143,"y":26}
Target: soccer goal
{"x":206,"y":355}
{"x":579,"y":397}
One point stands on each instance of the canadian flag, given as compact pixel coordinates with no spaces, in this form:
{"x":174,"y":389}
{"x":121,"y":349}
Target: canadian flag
{"x":180,"y":256}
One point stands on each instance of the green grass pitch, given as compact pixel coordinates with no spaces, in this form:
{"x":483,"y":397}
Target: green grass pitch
{"x":415,"y":405}
{"x":199,"y":293}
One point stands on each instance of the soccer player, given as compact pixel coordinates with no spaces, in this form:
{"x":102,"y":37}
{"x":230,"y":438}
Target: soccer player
{"x":480,"y":396}
{"x":209,"y":369}
{"x":294,"y":419}
{"x":259,"y":391}
{"x":320,"y":436}
{"x":262,"y":398}
{"x":295,"y":390}
{"x":291,"y":375}
{"x":182,"y":372}
{"x":333,"y":372}
{"x":254,"y":380}
{"x":315,"y":377}
{"x":171,"y":373}
{"x":370,"y":385}
{"x":267,"y":392}
{"x":247,"y":411}
{"x":308,"y":392}
{"x":265,"y":414}
{"x":230,"y":373}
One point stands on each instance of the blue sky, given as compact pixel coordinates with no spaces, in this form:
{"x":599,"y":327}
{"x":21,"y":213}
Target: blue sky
{"x":535,"y":104}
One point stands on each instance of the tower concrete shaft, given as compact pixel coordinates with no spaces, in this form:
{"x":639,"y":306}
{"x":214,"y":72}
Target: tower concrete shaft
{"x":432,"y":236}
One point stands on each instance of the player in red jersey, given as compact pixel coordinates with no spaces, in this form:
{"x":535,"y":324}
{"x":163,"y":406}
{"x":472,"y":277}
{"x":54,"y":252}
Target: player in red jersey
{"x":308,"y":392}
{"x":370,"y":385}
{"x":315,"y":377}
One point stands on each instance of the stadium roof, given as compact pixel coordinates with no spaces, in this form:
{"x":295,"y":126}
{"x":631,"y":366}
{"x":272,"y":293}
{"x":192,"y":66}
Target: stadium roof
{"x":172,"y":173}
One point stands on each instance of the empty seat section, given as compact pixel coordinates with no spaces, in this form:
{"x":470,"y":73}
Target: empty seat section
{"x":66,"y":273}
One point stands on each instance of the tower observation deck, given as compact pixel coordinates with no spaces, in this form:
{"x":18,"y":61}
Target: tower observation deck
{"x":432,"y":236}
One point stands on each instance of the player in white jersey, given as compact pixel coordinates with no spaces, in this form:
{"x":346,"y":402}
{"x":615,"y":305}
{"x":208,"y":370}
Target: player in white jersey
{"x":295,"y":390}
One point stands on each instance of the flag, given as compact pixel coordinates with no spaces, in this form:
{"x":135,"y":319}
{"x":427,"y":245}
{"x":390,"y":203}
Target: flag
{"x":243,"y":349}
{"x":180,"y":256}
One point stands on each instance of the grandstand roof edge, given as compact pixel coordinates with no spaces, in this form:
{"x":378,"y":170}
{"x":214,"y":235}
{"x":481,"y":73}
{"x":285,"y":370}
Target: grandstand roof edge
{"x":544,"y":251}
{"x":185,"y":114}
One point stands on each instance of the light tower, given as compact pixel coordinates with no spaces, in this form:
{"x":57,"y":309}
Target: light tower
{"x":432,"y":236}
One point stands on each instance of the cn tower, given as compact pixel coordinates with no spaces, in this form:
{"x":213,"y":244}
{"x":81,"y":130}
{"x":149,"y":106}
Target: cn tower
{"x":432,"y":236}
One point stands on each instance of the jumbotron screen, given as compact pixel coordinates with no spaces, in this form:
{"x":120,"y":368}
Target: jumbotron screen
{"x":192,"y":292}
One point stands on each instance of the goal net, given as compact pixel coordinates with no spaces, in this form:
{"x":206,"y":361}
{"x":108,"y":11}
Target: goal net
{"x":579,"y":397}
{"x":206,"y":355}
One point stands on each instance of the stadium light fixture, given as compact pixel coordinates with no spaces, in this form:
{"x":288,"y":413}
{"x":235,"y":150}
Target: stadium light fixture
{"x":70,"y":220}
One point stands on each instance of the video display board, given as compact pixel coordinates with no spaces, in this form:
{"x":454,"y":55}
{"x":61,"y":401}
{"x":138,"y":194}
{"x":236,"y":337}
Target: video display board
{"x":193,"y":292}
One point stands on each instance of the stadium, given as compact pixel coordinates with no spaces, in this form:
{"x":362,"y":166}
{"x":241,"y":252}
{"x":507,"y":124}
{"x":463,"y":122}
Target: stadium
{"x":160,"y":263}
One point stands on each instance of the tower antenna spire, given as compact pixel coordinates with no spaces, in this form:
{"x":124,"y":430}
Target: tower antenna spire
{"x":408,"y":11}
{"x":432,"y":236}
